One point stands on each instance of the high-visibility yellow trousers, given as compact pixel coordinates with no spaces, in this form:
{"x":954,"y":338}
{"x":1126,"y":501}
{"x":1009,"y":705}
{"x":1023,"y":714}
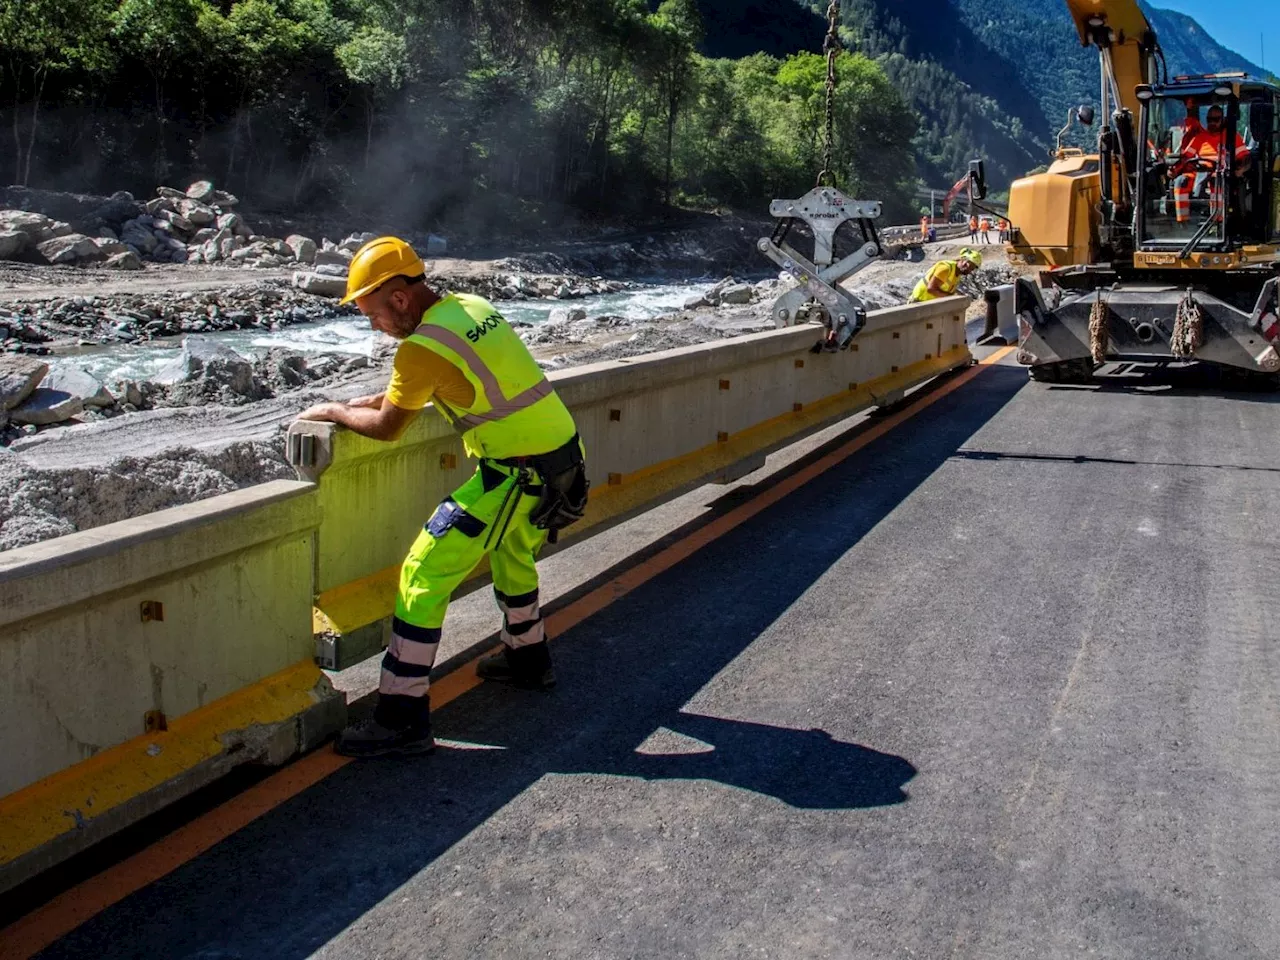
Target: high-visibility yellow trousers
{"x":487,"y":515}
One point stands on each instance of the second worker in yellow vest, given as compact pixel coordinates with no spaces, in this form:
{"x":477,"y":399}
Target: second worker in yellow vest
{"x":943,"y":278}
{"x":460,"y":354}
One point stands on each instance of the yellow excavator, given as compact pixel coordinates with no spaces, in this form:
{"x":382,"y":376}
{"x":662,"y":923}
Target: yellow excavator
{"x":1163,"y":246}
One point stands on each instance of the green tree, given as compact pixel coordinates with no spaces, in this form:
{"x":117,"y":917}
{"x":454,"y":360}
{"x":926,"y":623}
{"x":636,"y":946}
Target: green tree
{"x":377,"y":61}
{"x":677,"y":31}
{"x":43,"y":37}
{"x":160,"y":34}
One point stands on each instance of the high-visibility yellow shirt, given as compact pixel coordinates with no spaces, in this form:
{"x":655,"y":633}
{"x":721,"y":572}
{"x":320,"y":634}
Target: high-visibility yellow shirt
{"x":944,"y":274}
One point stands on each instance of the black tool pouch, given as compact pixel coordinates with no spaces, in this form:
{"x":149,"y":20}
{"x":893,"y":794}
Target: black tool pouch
{"x":564,"y":489}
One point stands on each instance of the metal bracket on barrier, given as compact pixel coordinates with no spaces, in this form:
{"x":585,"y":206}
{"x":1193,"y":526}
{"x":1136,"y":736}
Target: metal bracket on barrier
{"x":818,"y":295}
{"x":309,"y":448}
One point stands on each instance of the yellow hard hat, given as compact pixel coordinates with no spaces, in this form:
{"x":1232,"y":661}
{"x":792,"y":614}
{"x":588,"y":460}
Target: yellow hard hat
{"x":972,"y":255}
{"x":379,"y":261}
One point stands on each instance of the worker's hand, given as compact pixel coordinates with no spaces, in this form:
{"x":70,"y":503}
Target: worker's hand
{"x":324,"y":412}
{"x":373,"y":400}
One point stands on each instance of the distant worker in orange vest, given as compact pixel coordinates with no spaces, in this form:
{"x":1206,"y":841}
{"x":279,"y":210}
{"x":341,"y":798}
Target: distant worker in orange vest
{"x":973,"y":228}
{"x":986,"y":229}
{"x":924,"y":228}
{"x":1004,"y":230}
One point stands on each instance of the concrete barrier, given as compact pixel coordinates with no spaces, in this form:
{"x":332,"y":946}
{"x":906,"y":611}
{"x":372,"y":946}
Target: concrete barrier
{"x":142,"y":659}
{"x":653,"y":427}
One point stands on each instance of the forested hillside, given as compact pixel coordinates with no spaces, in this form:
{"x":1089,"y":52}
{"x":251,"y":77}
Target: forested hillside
{"x":467,"y":112}
{"x":996,"y":77}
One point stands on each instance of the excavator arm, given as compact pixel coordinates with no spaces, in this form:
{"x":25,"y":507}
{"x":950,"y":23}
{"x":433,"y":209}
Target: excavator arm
{"x":1120,"y":31}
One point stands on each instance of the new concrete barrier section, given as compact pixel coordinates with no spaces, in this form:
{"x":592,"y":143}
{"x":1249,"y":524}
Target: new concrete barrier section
{"x":142,"y":659}
{"x":653,"y":426}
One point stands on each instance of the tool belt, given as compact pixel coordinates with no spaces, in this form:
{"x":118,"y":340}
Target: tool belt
{"x":562,"y":497}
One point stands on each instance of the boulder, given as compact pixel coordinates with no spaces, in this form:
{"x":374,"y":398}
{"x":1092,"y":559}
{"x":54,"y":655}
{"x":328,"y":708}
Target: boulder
{"x":106,"y":233}
{"x":694,"y":303}
{"x":204,"y":235}
{"x":564,"y":292}
{"x":170,"y":193}
{"x":211,"y":252}
{"x":177,"y":221}
{"x":227,"y":247}
{"x":77,"y":383}
{"x":73,"y":248}
{"x":109,"y":247}
{"x":339,"y":258}
{"x":230,"y":221}
{"x":320,"y":285}
{"x":201,"y":191}
{"x":205,"y":358}
{"x":272,"y":260}
{"x":19,"y":375}
{"x":46,"y":406}
{"x":30,"y":225}
{"x":302,"y":248}
{"x":197,"y":213}
{"x":332,"y":270}
{"x":12,"y":243}
{"x":138,"y":236}
{"x":738,"y":293}
{"x":224,"y":199}
{"x":127,"y":260}
{"x":157,"y":206}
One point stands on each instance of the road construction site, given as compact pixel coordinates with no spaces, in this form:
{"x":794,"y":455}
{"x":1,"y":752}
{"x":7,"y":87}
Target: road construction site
{"x":988,"y":674}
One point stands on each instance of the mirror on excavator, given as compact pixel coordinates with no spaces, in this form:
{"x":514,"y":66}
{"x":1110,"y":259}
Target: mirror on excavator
{"x":978,"y":178}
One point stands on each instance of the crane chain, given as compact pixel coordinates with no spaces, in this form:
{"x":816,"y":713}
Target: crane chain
{"x":831,"y":47}
{"x":1099,"y":335}
{"x":1188,"y":328}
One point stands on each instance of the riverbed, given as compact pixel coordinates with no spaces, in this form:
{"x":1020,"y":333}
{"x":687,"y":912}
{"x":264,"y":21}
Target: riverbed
{"x":348,"y":335}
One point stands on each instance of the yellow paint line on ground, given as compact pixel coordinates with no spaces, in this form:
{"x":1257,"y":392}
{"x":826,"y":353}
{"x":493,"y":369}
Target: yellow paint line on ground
{"x":61,"y":915}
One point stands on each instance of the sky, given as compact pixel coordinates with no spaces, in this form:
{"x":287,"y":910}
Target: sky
{"x":1237,"y":24}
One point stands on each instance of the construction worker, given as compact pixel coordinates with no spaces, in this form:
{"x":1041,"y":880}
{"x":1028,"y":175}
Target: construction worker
{"x":973,"y":228}
{"x":461,"y":354}
{"x":1004,"y":230}
{"x":986,"y":229}
{"x":943,"y":278}
{"x":1200,"y":157}
{"x":924,"y":229}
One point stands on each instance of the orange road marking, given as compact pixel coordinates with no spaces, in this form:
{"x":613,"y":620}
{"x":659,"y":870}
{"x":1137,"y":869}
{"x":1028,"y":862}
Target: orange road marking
{"x":55,"y":919}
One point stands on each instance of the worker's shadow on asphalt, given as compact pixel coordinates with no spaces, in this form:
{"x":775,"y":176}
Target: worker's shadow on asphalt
{"x":807,"y":769}
{"x":294,"y":879}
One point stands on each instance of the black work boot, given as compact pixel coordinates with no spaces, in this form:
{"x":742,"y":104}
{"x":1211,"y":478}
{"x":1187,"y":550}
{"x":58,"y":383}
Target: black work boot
{"x":528,"y":667}
{"x":400,"y":725}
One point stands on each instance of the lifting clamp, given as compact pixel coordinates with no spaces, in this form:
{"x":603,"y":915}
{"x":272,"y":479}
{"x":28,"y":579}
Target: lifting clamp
{"x":818,"y":295}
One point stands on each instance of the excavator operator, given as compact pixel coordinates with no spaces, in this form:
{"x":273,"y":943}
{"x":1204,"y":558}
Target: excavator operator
{"x":1200,"y":157}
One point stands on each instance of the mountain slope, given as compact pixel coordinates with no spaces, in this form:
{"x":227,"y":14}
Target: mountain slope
{"x":990,"y":78}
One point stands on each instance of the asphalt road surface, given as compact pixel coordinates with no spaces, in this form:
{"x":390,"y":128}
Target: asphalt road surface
{"x":1003,"y":684}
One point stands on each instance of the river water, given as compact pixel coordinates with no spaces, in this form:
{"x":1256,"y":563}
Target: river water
{"x":352,"y":335}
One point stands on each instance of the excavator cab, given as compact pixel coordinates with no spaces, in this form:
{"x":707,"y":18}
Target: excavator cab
{"x":1207,"y":180}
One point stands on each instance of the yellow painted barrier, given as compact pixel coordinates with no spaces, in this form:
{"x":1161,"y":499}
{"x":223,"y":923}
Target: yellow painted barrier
{"x":653,"y":426}
{"x":140,"y":660}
